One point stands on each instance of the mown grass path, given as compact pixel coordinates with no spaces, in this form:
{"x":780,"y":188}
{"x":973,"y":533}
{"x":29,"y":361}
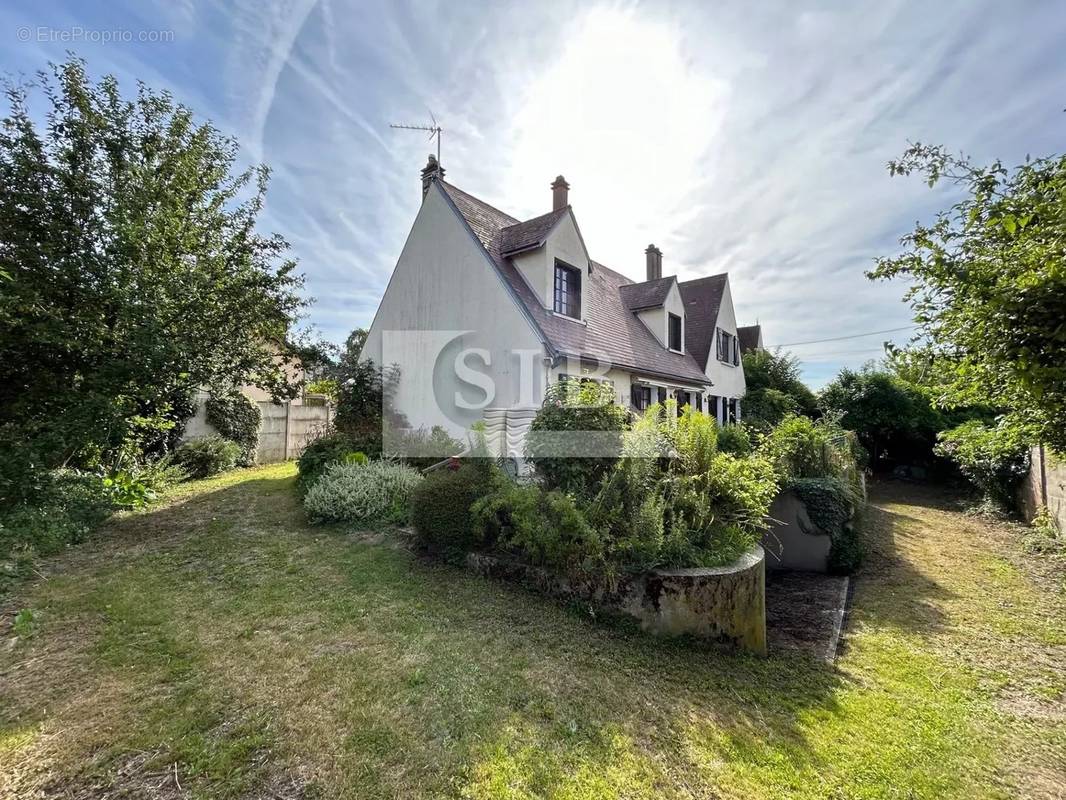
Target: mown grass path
{"x":218,"y":646}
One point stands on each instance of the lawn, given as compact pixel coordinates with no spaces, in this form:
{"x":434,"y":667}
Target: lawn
{"x":219,"y":646}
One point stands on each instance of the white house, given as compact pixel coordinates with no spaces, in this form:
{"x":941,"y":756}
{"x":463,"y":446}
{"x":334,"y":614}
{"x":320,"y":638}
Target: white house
{"x":483,"y":311}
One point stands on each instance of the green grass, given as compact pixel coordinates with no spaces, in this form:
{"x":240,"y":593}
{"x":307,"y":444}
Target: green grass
{"x":221,"y":643}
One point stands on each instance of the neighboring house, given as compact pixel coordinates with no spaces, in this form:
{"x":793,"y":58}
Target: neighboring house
{"x":750,"y":338}
{"x":483,"y":311}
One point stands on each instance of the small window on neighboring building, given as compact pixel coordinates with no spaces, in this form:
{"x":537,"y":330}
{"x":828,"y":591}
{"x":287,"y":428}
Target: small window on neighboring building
{"x":675,"y":332}
{"x":567,"y":290}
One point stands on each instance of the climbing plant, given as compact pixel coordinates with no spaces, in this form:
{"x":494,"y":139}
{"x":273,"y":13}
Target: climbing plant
{"x":237,"y":418}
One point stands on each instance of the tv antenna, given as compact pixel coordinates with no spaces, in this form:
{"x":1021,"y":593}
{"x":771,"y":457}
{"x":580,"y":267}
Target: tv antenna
{"x":435,"y":131}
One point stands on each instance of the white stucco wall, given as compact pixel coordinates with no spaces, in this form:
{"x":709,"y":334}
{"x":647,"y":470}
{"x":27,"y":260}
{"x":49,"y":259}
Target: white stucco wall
{"x":728,"y":379}
{"x":444,"y":282}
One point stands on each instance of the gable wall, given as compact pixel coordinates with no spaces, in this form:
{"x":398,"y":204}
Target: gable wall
{"x":443,"y":282}
{"x":728,"y":380}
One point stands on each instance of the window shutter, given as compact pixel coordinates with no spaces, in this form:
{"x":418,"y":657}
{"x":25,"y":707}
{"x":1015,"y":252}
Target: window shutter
{"x":637,"y":396}
{"x":699,"y":402}
{"x":736,"y":351}
{"x":662,"y":394}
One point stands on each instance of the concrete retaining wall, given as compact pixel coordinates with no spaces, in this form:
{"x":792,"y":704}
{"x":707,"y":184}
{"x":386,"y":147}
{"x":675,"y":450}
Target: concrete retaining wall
{"x":283,"y":434}
{"x":1045,"y":485}
{"x":722,"y":604}
{"x":793,"y":542}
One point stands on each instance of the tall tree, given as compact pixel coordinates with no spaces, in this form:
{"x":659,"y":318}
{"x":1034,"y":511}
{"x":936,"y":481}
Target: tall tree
{"x":988,"y":287}
{"x":137,"y":270}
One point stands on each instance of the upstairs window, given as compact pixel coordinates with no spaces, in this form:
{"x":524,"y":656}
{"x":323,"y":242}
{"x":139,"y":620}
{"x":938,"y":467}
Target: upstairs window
{"x":675,"y":332}
{"x":567,"y":290}
{"x":728,"y":350}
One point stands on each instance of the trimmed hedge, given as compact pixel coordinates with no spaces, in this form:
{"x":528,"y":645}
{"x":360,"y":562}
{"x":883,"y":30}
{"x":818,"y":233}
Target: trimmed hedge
{"x":441,"y":507}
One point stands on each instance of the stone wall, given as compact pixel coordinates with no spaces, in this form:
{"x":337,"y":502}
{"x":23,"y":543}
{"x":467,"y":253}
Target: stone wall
{"x":1045,"y":485}
{"x":726,"y":605}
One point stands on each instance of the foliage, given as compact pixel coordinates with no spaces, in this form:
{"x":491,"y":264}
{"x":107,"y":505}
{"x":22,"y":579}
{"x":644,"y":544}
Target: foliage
{"x":988,"y":286}
{"x":205,"y":456}
{"x":774,"y":389}
{"x":68,"y":505}
{"x":994,"y":458}
{"x":364,"y":493}
{"x":330,"y":448}
{"x":895,"y":421}
{"x":324,"y":386}
{"x":802,"y":448}
{"x":576,"y":436}
{"x":735,"y":440}
{"x":441,"y":507}
{"x":421,"y":448}
{"x":137,"y":272}
{"x":237,"y":418}
{"x":711,"y":518}
{"x":543,"y":527}
{"x":142,"y":484}
{"x":832,"y":506}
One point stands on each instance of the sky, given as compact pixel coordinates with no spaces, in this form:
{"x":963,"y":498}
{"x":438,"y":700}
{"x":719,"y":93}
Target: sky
{"x":742,"y":137}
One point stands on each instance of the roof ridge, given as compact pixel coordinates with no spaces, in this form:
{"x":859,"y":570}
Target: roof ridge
{"x":705,"y":278}
{"x":551,"y":213}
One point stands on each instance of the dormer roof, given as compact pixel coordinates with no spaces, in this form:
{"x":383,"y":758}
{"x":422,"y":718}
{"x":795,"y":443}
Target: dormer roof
{"x":649,"y":294}
{"x":530,"y":234}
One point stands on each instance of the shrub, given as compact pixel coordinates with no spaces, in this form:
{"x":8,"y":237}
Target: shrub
{"x":237,"y":418}
{"x":365,"y":493}
{"x":67,"y":507}
{"x":421,"y":448}
{"x":206,"y":456}
{"x":735,"y":440}
{"x":331,"y":448}
{"x":994,"y":458}
{"x":543,"y":527}
{"x":441,"y":507}
{"x":801,"y":448}
{"x":832,"y":506}
{"x":576,"y":437}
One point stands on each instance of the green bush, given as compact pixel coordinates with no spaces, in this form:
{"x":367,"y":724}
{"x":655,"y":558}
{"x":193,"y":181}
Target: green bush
{"x":67,"y":506}
{"x":237,"y":418}
{"x":802,"y":448}
{"x":542,"y":527}
{"x":833,"y":506}
{"x":331,"y":448}
{"x":206,"y":456}
{"x":735,"y":440}
{"x":365,"y":493}
{"x":420,"y":448}
{"x":576,"y":419}
{"x":441,"y":507}
{"x":994,"y":458}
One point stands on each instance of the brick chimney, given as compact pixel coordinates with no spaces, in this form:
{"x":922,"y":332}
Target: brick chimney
{"x":560,"y":193}
{"x":655,"y":262}
{"x":429,"y":172}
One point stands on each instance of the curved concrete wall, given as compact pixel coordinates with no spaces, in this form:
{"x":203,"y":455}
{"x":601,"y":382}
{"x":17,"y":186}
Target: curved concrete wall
{"x":723,"y":604}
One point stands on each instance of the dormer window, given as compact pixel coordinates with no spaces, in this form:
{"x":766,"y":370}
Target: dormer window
{"x":567,"y":290}
{"x":675,"y":332}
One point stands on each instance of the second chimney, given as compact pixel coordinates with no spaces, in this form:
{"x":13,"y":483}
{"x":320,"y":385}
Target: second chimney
{"x":655,"y":262}
{"x":560,"y":193}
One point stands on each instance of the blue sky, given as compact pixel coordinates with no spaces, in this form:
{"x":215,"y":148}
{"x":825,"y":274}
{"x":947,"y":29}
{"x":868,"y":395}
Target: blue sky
{"x":741,"y":137}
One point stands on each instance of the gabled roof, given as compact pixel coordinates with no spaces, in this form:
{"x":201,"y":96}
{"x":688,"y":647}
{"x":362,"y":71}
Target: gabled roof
{"x":531,"y":233}
{"x":749,"y":337}
{"x":613,"y":331}
{"x":649,"y":294}
{"x":702,"y":298}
